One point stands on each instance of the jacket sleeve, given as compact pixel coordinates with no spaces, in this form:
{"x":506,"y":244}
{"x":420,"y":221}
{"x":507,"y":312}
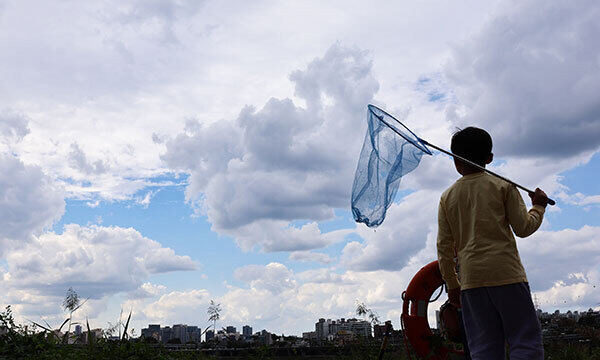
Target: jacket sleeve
{"x":523,"y":222}
{"x":445,"y":250}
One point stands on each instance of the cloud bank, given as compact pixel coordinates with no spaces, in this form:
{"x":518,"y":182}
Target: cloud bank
{"x":284,"y":161}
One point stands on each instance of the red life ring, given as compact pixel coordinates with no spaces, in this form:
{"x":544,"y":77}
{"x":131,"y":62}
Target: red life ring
{"x":414,"y":322}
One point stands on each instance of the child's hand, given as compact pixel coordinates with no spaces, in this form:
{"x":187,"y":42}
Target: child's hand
{"x":539,"y":197}
{"x":454,"y":296}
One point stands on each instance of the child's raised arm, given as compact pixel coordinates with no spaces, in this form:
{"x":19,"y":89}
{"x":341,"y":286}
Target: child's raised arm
{"x":523,"y":222}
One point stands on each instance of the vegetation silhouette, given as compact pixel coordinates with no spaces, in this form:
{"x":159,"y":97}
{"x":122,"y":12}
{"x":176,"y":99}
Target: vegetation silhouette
{"x":42,"y":342}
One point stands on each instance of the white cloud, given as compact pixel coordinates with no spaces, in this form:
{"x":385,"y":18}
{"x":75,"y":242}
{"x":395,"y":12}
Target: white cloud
{"x":282,"y":162}
{"x":273,"y":277}
{"x":579,"y":199}
{"x":118,"y":48}
{"x":550,"y":256}
{"x":278,"y":299}
{"x":590,"y":200}
{"x":402,"y":235}
{"x":145,"y":201}
{"x":435,"y":173}
{"x":137,"y":71}
{"x":95,"y":260}
{"x":98,"y":262}
{"x":13,"y":126}
{"x":273,"y":236}
{"x":178,"y":307}
{"x":310,"y":256}
{"x":578,"y":292}
{"x":79,"y":161}
{"x":29,"y":202}
{"x":321,"y":275}
{"x":308,"y":296}
{"x":112,"y":76}
{"x":147,"y":290}
{"x":88,"y":76}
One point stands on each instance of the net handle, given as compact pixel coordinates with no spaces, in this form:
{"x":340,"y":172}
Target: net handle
{"x":550,"y":201}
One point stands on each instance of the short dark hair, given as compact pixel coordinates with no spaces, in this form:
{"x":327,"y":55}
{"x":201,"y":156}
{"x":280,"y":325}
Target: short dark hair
{"x":472,"y":143}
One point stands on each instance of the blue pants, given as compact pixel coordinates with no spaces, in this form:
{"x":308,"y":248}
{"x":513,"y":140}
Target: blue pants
{"x":496,"y":315}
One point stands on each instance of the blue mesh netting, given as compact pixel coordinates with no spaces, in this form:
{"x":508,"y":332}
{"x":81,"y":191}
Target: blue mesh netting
{"x":390,"y":151}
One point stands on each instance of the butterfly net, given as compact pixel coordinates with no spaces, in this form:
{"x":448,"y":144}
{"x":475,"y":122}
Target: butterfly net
{"x":389,"y":152}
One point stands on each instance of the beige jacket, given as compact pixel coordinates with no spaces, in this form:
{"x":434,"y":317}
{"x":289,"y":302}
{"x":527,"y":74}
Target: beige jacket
{"x":475,"y":217}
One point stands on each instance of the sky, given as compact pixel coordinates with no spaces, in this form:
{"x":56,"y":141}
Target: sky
{"x":157,"y":155}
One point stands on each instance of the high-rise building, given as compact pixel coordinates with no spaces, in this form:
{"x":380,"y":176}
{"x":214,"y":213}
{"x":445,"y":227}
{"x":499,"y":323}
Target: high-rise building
{"x":209,"y":335}
{"x":360,"y":327}
{"x":77,"y":330}
{"x":322,"y":328}
{"x":247,"y":331}
{"x":231,"y":330}
{"x":152,"y":331}
{"x":265,"y":337}
{"x":193,"y":333}
{"x":180,"y":332}
{"x":378,"y":331}
{"x":325,"y":328}
{"x":166,"y":334}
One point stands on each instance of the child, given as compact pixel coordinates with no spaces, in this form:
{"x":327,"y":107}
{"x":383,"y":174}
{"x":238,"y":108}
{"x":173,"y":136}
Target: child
{"x":475,"y":218}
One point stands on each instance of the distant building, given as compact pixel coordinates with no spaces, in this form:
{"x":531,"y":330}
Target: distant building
{"x":231,"y":330}
{"x":395,"y":337}
{"x":322,"y":328}
{"x":209,"y":335}
{"x":355,"y":326}
{"x":180,"y":332}
{"x":193,"y":334}
{"x":311,"y":335}
{"x":152,"y":331}
{"x":77,"y":330}
{"x":265,"y":337}
{"x":94,"y":334}
{"x":378,"y":331}
{"x":247,"y":331}
{"x":166,"y":334}
{"x":327,"y":329}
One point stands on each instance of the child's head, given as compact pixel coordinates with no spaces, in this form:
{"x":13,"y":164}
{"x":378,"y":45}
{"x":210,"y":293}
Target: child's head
{"x":474,"y":144}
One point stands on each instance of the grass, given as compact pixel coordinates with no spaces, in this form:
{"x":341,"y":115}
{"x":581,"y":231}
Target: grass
{"x":22,"y":342}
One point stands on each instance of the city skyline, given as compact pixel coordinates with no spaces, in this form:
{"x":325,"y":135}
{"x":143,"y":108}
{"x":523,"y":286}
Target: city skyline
{"x":325,"y":329}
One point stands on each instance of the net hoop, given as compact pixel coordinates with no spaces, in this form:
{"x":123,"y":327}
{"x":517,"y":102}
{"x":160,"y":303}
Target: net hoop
{"x":416,"y":141}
